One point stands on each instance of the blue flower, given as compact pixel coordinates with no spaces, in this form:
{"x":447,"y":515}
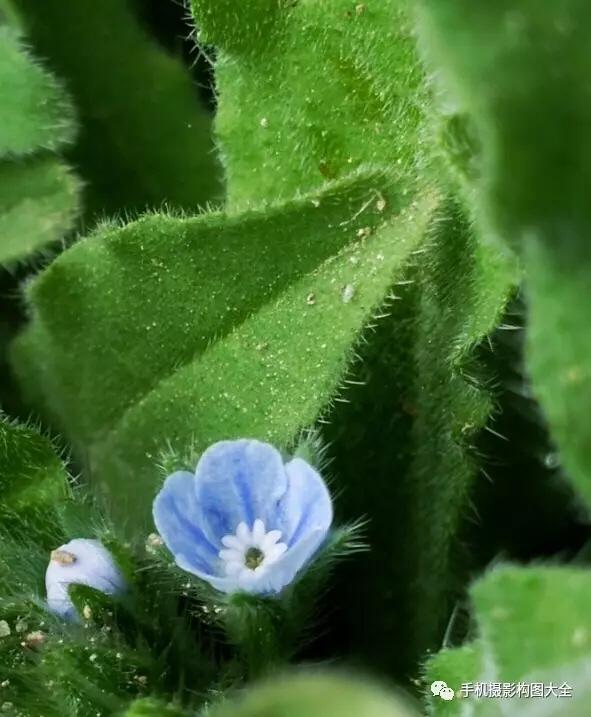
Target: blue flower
{"x":245,"y":521}
{"x":80,"y":562}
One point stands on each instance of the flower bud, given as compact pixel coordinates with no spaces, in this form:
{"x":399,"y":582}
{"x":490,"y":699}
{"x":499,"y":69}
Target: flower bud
{"x":82,"y":561}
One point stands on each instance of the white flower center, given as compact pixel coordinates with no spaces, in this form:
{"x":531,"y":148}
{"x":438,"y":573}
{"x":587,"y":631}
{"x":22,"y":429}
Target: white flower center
{"x":251,"y":551}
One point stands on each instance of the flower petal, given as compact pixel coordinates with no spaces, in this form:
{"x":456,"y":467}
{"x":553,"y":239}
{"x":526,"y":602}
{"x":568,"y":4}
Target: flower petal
{"x":275,"y":552}
{"x":243,"y":534}
{"x":231,"y":541}
{"x":230,"y":555}
{"x":238,"y":481}
{"x":258,"y":532}
{"x":234,"y":568}
{"x":176,"y":517}
{"x":284,"y":570}
{"x":92,"y":565}
{"x":307,"y":505}
{"x":270,"y":540}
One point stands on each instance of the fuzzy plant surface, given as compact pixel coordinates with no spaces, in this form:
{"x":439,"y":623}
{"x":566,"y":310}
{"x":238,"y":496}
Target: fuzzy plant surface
{"x":267,"y":401}
{"x":144,"y":137}
{"x":517,"y":643}
{"x":261,"y":357}
{"x":38,"y":192}
{"x":515,"y":69}
{"x":318,"y":83}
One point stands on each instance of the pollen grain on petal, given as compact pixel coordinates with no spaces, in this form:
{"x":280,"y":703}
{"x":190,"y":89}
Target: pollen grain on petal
{"x":63,"y":557}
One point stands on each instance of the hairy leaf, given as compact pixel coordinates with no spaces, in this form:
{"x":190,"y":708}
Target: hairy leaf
{"x":310,"y":91}
{"x":38,"y":194}
{"x":533,"y":626}
{"x":166,"y":357}
{"x":31,"y":473}
{"x":454,"y":667}
{"x":38,"y":205}
{"x":519,"y":69}
{"x":34,"y":112}
{"x":417,"y":401}
{"x":144,"y":136}
{"x":142,"y":300}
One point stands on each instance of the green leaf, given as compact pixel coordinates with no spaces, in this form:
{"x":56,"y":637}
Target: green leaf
{"x":520,"y":70}
{"x":318,"y":695}
{"x":143,"y":300}
{"x":417,"y":401}
{"x":38,"y":205}
{"x":165,"y":357}
{"x":149,"y":707}
{"x":534,"y":618}
{"x":144,"y":136}
{"x":275,"y":373}
{"x":34,"y":485}
{"x":38,"y":195}
{"x":31,"y":473}
{"x":311,"y":91}
{"x":8,"y":15}
{"x":454,"y":667}
{"x":95,"y":677}
{"x":34,"y":112}
{"x":465,"y":284}
{"x":533,"y":626}
{"x":559,"y":346}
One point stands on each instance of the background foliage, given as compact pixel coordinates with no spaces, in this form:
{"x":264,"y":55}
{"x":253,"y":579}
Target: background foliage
{"x":359,"y":226}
